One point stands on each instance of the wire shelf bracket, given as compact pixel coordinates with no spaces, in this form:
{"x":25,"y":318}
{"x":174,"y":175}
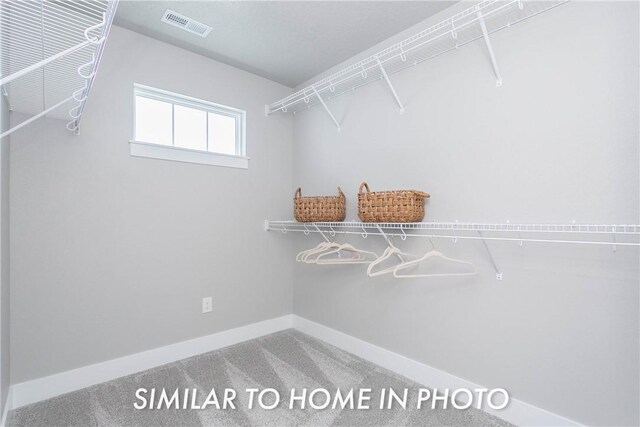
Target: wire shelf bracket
{"x":493,"y":261}
{"x":487,"y":41}
{"x":324,"y":104}
{"x":319,"y":231}
{"x":5,"y":95}
{"x":393,"y":91}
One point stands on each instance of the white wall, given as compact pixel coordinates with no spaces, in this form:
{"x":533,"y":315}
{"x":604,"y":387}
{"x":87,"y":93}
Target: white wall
{"x":4,"y":258}
{"x":111,"y":254}
{"x":558,"y":142}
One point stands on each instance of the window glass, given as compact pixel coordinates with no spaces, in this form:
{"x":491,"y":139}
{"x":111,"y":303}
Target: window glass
{"x":222,"y":134}
{"x":190,"y":128}
{"x":180,"y":121}
{"x":153,"y":121}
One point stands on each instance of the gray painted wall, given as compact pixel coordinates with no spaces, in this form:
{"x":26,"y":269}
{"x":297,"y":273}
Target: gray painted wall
{"x":558,"y":142}
{"x":5,"y":356}
{"x":112,"y":254}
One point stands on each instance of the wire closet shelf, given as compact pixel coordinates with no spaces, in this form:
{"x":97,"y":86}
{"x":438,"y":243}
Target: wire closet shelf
{"x":463,"y":28}
{"x":50,"y":51}
{"x":596,"y":234}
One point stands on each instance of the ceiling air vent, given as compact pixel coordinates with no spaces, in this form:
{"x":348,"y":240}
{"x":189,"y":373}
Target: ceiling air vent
{"x":187,"y":24}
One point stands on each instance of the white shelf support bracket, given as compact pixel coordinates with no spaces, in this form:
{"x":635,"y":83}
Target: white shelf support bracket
{"x":520,"y":243}
{"x":321,"y":233}
{"x":6,"y":98}
{"x":493,"y":262}
{"x":393,"y":91}
{"x":487,"y":41}
{"x":326,"y":108}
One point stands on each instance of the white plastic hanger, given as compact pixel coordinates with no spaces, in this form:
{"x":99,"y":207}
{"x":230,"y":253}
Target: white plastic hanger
{"x":359,"y":256}
{"x":310,"y":256}
{"x":431,"y":254}
{"x":388,"y":253}
{"x":320,"y":248}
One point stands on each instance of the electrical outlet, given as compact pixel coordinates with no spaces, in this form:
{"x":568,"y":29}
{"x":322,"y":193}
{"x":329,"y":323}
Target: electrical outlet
{"x":207,"y":304}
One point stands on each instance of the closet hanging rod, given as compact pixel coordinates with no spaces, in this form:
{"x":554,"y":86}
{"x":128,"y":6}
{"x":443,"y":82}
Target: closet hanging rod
{"x":36,"y":117}
{"x":454,"y":32}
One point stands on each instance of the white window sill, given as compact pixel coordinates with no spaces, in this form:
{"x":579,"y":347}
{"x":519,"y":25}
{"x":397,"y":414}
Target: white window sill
{"x":177,"y":154}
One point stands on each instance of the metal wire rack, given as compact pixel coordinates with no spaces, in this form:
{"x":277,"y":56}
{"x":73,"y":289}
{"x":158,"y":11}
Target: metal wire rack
{"x":49,"y":55}
{"x":596,"y":234}
{"x":463,"y":28}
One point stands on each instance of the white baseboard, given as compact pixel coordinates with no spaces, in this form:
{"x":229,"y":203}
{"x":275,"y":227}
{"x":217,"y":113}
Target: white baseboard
{"x":517,"y":412}
{"x":8,"y":405}
{"x":76,"y":379}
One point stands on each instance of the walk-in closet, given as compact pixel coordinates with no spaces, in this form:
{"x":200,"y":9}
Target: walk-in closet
{"x":319,"y":213}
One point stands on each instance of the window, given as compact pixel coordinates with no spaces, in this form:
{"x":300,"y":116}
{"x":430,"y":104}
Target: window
{"x":169,"y":126}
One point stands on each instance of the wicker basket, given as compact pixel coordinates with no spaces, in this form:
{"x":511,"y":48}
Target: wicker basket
{"x":319,"y":208}
{"x":390,"y":206}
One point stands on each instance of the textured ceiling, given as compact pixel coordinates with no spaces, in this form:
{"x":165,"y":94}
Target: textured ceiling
{"x":285,"y":41}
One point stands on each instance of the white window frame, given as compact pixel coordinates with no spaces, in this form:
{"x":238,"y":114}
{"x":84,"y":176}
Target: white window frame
{"x":180,"y":154}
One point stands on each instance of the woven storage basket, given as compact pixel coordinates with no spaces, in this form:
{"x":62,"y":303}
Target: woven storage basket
{"x":319,"y":208}
{"x":390,"y":206}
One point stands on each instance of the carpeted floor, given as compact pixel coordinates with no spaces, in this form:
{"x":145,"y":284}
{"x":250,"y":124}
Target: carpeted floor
{"x":284,"y":360}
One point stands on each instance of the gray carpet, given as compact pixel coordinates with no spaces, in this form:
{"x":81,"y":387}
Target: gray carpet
{"x":284,"y":360}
